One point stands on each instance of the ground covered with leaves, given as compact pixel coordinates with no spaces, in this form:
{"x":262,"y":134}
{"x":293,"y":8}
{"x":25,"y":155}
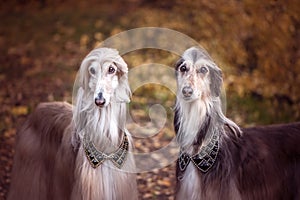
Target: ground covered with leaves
{"x":43,"y":42}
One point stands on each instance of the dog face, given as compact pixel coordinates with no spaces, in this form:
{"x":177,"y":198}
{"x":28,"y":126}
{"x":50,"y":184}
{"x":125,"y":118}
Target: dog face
{"x":198,"y":77}
{"x":103,"y":81}
{"x":104,"y":77}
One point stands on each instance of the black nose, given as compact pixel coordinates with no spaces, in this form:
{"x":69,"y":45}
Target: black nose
{"x":99,"y":100}
{"x":187,"y":91}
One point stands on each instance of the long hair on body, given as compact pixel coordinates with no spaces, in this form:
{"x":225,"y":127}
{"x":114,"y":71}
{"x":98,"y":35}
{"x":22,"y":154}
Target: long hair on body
{"x":53,"y":159}
{"x":218,"y":160}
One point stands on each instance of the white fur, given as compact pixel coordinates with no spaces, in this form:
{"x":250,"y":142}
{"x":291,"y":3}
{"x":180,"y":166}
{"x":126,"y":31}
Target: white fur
{"x":188,"y":129}
{"x":190,"y":185}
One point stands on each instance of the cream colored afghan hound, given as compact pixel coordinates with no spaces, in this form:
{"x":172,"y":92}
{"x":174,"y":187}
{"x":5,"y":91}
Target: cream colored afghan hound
{"x":80,"y":152}
{"x":218,"y":160}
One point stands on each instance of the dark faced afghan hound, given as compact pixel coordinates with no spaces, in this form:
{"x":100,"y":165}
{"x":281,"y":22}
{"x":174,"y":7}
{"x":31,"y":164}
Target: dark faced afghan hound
{"x":79,"y":152}
{"x":218,"y":160}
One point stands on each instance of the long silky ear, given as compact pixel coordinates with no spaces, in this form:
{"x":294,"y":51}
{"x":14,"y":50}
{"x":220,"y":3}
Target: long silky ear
{"x":216,"y":81}
{"x":77,"y":108}
{"x":83,"y":76}
{"x":123,"y":92}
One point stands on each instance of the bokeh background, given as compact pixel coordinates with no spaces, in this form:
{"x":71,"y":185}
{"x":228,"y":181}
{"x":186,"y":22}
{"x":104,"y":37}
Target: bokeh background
{"x":255,"y":43}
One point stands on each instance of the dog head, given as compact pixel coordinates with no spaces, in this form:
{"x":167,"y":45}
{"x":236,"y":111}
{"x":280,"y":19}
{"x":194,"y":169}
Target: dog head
{"x":103,"y":76}
{"x":198,"y":77}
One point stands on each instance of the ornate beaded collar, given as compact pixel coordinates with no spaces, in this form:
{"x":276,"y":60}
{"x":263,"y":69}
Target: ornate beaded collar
{"x":96,"y":157}
{"x":203,"y":160}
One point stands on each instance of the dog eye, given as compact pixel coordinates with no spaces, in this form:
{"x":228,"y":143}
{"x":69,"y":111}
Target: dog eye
{"x":179,"y":63}
{"x":111,"y":70}
{"x":203,"y":70}
{"x":183,"y":68}
{"x":92,"y":70}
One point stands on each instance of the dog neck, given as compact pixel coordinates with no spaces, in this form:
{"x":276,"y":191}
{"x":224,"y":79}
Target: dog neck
{"x":105,"y":126}
{"x":193,"y":124}
{"x":196,"y":121}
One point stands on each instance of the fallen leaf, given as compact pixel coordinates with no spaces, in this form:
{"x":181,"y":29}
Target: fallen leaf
{"x":19,"y":110}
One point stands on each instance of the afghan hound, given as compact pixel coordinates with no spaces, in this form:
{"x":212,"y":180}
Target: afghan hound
{"x":217,"y":159}
{"x":79,"y":152}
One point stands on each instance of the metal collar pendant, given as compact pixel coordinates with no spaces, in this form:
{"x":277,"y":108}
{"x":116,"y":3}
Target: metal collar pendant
{"x":203,"y":160}
{"x":96,"y":157}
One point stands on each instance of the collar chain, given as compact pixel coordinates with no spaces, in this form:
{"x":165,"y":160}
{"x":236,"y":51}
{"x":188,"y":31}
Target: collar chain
{"x":203,"y":160}
{"x":96,"y":157}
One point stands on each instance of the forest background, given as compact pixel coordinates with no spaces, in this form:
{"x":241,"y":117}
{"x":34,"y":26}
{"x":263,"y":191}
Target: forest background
{"x":255,"y":43}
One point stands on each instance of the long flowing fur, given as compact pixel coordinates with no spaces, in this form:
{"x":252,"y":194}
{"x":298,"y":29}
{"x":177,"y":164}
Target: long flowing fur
{"x":50,"y":162}
{"x":253,"y":163}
